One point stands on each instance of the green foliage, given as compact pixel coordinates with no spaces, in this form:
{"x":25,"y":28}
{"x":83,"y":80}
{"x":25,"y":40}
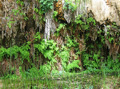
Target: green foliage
{"x":69,"y":6}
{"x":112,"y":64}
{"x":78,"y":20}
{"x":91,"y":61}
{"x":19,"y":11}
{"x":85,"y":23}
{"x":46,"y":5}
{"x":20,"y":2}
{"x":91,"y":20}
{"x":37,"y":37}
{"x":3,"y":52}
{"x":24,"y":52}
{"x":10,"y":23}
{"x":94,"y":62}
{"x":112,"y":35}
{"x":33,"y":72}
{"x":13,"y":52}
{"x":64,"y":55}
{"x":72,"y":43}
{"x":59,"y":28}
{"x":39,"y":14}
{"x":45,"y":69}
{"x":111,"y":39}
{"x":73,"y":65}
{"x":47,"y":48}
{"x":102,"y":37}
{"x":55,"y":13}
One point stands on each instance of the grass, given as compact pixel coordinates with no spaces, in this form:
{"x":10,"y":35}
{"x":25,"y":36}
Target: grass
{"x":81,"y":80}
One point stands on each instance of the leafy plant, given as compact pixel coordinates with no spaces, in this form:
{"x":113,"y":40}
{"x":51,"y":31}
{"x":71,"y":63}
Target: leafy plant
{"x":72,"y":43}
{"x":55,"y":13}
{"x":69,"y":6}
{"x":13,"y":52}
{"x":19,"y":10}
{"x":91,"y":20}
{"x":59,"y":28}
{"x":24,"y":51}
{"x":78,"y":20}
{"x":91,"y":61}
{"x":45,"y":69}
{"x":10,"y":23}
{"x":73,"y":65}
{"x":46,"y":5}
{"x":112,"y":64}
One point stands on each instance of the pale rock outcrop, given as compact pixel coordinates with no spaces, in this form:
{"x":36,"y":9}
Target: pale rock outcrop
{"x":49,"y":25}
{"x":102,"y":10}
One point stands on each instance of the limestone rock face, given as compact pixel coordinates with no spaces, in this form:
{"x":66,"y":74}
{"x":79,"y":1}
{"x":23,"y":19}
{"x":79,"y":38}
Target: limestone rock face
{"x":102,"y":10}
{"x":105,"y":10}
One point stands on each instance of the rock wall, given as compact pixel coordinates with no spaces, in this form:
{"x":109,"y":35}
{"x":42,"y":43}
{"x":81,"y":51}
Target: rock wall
{"x":13,"y":25}
{"x":105,"y":10}
{"x":20,"y":21}
{"x":102,"y":10}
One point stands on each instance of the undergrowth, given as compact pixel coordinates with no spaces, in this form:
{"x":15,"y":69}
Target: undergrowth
{"x":50,"y":51}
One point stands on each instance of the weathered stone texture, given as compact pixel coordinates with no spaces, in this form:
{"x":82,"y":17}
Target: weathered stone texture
{"x":103,"y":10}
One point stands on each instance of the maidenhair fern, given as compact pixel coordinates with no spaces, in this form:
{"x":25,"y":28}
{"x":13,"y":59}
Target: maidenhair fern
{"x":48,"y":49}
{"x":73,"y":65}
